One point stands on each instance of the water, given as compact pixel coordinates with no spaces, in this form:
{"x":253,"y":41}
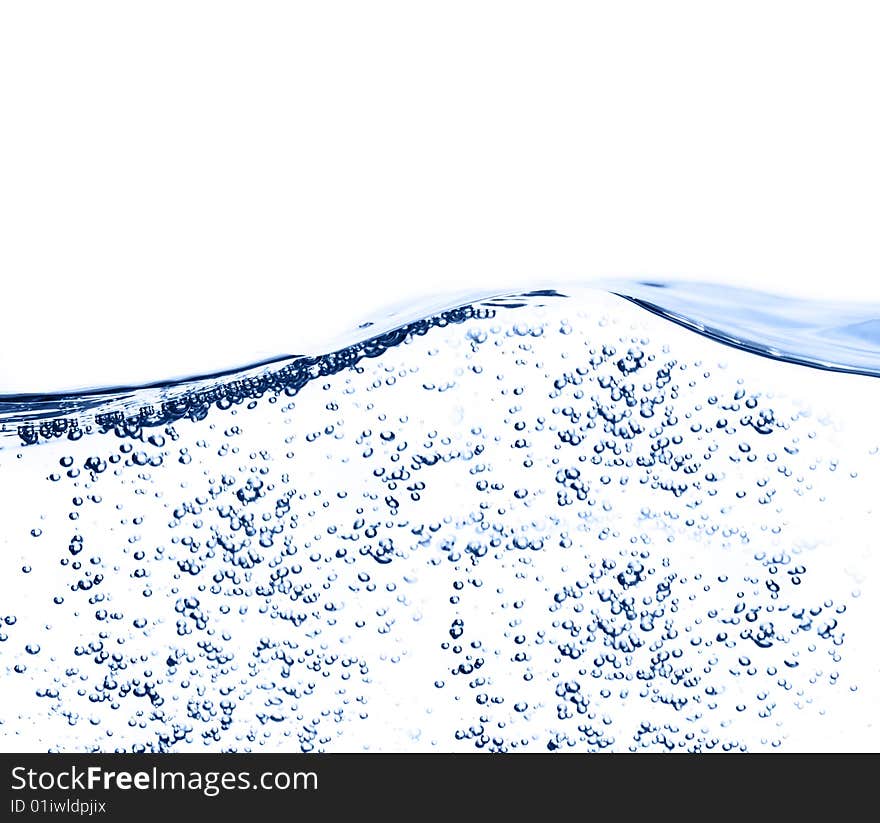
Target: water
{"x":543,"y":522}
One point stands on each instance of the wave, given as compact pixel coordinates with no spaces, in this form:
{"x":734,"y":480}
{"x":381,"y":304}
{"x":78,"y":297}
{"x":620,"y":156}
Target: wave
{"x":832,"y":336}
{"x":543,"y":521}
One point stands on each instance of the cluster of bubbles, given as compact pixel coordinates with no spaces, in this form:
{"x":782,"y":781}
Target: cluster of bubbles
{"x":507,"y":527}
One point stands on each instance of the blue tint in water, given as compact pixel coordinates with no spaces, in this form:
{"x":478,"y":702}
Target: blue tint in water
{"x":838,"y":336}
{"x":538,"y":522}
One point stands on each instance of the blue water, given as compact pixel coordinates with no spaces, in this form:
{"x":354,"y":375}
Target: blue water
{"x":622,"y":518}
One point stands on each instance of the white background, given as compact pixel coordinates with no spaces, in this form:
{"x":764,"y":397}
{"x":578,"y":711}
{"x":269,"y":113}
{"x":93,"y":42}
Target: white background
{"x":189,"y":185}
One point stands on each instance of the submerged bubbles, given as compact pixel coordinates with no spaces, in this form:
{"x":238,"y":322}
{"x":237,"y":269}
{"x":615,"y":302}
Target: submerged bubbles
{"x":545,"y":524}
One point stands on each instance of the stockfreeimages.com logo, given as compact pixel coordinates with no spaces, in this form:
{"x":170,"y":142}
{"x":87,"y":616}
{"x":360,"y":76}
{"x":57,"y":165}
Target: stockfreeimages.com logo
{"x":209,"y":783}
